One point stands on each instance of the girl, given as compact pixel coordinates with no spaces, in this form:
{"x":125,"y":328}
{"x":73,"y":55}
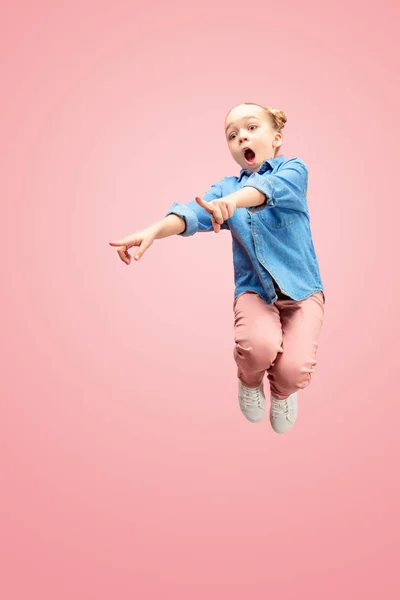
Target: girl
{"x":279,"y":296}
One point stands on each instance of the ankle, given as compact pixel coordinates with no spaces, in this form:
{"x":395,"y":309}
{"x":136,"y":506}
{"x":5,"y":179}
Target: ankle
{"x":251,"y":387}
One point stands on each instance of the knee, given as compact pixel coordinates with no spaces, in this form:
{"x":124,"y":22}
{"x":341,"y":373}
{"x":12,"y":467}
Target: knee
{"x":292,"y":375}
{"x":257,"y":351}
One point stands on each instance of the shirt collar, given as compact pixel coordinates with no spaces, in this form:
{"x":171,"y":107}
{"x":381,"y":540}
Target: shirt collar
{"x":266,"y":165}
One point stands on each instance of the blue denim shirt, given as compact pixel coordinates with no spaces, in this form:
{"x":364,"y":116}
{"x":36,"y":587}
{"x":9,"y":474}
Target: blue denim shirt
{"x":272,"y":241}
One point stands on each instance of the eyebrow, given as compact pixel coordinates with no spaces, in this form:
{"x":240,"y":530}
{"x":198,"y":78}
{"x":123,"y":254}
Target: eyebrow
{"x":248,"y":118}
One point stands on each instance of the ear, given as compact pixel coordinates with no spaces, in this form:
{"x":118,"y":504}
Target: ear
{"x":277,"y":140}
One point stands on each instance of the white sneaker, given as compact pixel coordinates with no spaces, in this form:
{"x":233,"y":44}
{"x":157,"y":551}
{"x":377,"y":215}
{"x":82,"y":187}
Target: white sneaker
{"x":283,"y":413}
{"x":252,"y":402}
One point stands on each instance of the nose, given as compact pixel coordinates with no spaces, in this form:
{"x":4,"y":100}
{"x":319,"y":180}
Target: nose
{"x":242,"y":137}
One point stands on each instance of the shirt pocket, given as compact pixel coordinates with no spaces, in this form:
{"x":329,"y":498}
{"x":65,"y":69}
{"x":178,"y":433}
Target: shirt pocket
{"x":275,"y":219}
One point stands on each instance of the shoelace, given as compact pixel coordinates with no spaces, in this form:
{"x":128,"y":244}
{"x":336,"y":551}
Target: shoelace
{"x":251,"y":397}
{"x":281,"y":408}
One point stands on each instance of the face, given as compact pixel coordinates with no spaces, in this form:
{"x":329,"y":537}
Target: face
{"x":248,"y":126}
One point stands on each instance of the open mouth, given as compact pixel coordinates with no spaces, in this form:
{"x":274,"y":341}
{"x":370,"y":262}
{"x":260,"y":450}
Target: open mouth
{"x":250,"y":156}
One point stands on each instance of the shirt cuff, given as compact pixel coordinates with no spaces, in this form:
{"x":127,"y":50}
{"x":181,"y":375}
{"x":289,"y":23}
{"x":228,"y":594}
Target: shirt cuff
{"x":189,"y":216}
{"x":263,"y":185}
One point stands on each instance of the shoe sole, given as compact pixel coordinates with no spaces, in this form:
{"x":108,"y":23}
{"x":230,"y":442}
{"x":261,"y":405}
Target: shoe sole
{"x":251,"y":420}
{"x":286,"y":430}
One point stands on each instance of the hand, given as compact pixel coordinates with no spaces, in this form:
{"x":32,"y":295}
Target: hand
{"x":220,"y":210}
{"x":143,"y":239}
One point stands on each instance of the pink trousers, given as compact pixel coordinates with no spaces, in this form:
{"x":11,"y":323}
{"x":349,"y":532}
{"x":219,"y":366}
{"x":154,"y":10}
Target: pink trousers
{"x":280,"y":339}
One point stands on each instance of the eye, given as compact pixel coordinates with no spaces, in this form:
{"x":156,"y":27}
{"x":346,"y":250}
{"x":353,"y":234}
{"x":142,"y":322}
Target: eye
{"x":230,"y":137}
{"x":252,"y":126}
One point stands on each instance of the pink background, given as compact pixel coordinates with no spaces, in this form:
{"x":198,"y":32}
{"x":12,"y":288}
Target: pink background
{"x":127,"y":469}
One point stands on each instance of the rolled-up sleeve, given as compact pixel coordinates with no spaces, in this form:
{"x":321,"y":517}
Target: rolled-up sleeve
{"x":287,"y":188}
{"x":197,"y":219}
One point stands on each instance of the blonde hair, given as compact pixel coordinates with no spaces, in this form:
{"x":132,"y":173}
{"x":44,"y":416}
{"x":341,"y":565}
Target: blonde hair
{"x":277,"y":117}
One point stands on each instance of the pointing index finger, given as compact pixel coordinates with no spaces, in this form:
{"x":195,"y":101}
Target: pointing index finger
{"x":204,"y":204}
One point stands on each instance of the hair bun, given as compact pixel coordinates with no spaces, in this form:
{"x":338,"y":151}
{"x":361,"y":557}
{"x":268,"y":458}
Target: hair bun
{"x":278,"y":116}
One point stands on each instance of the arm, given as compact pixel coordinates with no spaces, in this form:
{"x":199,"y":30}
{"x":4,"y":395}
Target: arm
{"x":197,"y":219}
{"x":171,"y":225}
{"x":181,"y":219}
{"x":246,"y":197}
{"x":287,"y":188}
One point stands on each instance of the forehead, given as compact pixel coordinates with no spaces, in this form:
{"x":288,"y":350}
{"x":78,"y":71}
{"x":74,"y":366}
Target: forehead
{"x":243,"y":111}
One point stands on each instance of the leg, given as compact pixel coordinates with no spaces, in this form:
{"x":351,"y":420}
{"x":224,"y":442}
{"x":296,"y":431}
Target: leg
{"x":301,"y":326}
{"x":258,"y":337}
